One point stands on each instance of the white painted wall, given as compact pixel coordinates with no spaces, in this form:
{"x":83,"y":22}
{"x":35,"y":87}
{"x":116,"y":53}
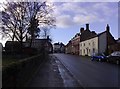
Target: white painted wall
{"x":90,"y":45}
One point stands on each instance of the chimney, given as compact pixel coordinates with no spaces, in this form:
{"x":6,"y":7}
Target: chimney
{"x":81,"y":30}
{"x":48,"y":38}
{"x":108,"y":28}
{"x":87,"y":26}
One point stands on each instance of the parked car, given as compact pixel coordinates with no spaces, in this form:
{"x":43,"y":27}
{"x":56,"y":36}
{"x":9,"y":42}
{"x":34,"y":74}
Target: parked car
{"x":98,"y":57}
{"x":114,"y":57}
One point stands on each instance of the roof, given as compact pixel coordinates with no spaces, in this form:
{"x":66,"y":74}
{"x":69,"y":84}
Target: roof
{"x":56,"y":43}
{"x":87,"y":34}
{"x":59,"y":44}
{"x":99,"y":34}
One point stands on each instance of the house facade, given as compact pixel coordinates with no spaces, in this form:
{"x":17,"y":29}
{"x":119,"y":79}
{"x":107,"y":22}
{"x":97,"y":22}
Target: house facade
{"x":68,"y":48}
{"x":58,"y":47}
{"x":88,"y":47}
{"x":115,"y":47}
{"x":97,"y":44}
{"x":40,"y":45}
{"x":75,"y":44}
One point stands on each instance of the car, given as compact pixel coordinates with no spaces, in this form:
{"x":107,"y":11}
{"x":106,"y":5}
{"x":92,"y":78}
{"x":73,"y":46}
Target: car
{"x":114,"y":57}
{"x":98,"y":57}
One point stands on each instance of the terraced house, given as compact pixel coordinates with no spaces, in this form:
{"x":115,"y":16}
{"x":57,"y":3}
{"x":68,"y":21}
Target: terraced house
{"x":91,"y":42}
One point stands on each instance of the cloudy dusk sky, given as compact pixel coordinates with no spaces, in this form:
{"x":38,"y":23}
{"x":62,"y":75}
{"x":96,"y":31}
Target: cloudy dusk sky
{"x":71,"y":16}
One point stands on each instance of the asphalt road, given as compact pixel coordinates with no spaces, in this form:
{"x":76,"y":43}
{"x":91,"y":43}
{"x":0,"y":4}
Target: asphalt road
{"x":91,"y":73}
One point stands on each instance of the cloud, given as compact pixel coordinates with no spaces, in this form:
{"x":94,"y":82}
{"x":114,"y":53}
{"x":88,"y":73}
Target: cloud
{"x":64,"y":21}
{"x":71,"y":13}
{"x":82,"y":19}
{"x":84,"y":0}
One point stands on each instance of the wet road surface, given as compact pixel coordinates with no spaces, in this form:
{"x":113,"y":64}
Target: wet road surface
{"x":53,"y":74}
{"x":91,"y":73}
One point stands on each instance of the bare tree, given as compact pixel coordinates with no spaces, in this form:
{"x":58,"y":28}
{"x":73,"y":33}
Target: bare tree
{"x":15,"y":22}
{"x":21,"y":19}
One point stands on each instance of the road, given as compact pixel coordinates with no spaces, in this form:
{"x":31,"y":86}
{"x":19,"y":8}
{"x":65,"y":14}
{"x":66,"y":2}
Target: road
{"x":91,"y":73}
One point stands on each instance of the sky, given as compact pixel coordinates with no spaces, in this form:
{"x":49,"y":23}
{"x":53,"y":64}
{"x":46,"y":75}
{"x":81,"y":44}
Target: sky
{"x":72,"y":15}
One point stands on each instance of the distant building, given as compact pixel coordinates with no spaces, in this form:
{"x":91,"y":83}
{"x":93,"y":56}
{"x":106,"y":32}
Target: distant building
{"x":58,"y":48}
{"x":38,"y":45}
{"x":96,"y":43}
{"x":41,"y":44}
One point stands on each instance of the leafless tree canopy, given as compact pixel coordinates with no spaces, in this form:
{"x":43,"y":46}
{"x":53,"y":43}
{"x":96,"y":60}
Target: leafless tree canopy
{"x":21,"y":20}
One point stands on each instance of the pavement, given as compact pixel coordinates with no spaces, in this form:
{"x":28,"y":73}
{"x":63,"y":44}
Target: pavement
{"x":53,"y":74}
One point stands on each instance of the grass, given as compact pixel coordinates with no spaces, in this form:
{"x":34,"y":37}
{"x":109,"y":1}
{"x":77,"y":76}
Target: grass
{"x":9,"y":59}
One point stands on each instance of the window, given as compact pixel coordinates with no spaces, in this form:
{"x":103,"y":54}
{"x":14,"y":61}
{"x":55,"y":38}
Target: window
{"x":81,"y":52}
{"x":84,"y":50}
{"x":84,"y":44}
{"x":89,"y":43}
{"x":93,"y":44}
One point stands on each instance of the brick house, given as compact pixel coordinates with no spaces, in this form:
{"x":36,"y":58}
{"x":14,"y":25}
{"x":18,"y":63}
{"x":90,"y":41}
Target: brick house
{"x":68,"y":48}
{"x":115,"y":47}
{"x":75,"y":44}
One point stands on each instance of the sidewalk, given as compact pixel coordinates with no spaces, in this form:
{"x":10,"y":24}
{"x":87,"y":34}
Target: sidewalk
{"x":53,"y":74}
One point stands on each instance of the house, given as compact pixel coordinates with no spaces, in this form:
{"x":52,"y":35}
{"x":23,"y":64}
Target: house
{"x":96,"y":43}
{"x":62,"y":47}
{"x":75,"y":44}
{"x":41,"y":45}
{"x":12,"y":47}
{"x":59,"y":47}
{"x":115,"y":47}
{"x":56,"y":47}
{"x":68,"y":48}
{"x":86,"y":33}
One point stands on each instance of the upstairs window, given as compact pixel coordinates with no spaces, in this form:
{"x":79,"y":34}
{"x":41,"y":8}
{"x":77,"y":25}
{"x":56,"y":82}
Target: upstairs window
{"x":84,"y":44}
